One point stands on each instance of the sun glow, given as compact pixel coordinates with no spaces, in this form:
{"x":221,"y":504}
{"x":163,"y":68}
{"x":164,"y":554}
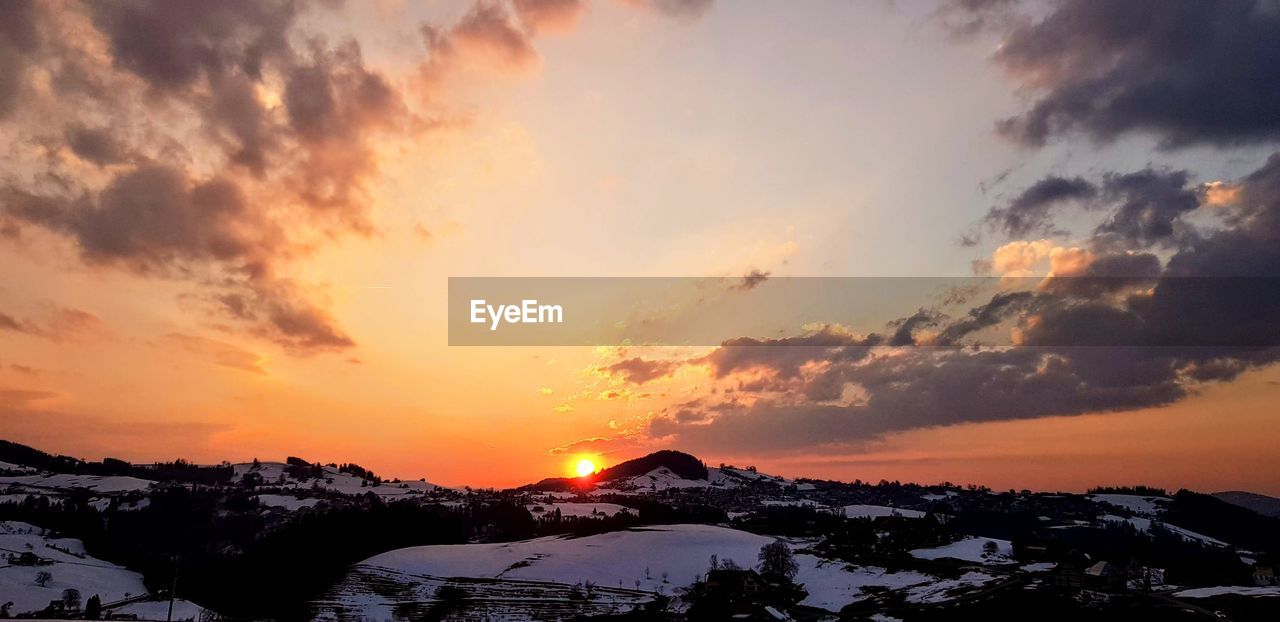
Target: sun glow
{"x":585,"y":467}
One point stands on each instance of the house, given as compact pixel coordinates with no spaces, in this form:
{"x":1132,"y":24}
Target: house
{"x":1105,"y":576}
{"x":1265,"y":575}
{"x":1096,"y":581}
{"x":733,"y":581}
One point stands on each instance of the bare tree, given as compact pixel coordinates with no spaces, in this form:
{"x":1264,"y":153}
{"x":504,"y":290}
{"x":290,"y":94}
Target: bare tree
{"x":43,"y":578}
{"x":71,"y":598}
{"x":776,"y":560}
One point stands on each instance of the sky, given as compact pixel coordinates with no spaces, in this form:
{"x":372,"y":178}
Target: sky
{"x":226,"y":232}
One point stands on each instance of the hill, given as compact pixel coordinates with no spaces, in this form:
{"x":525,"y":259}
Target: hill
{"x":1262,"y":504}
{"x":680,"y":464}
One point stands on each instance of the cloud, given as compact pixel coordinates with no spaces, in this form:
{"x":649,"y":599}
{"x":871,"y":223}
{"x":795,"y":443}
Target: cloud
{"x":1031,"y":210}
{"x":549,"y":16}
{"x":639,"y":371}
{"x":1184,"y":71}
{"x":10,"y":323}
{"x":682,"y":9}
{"x":274,"y":156}
{"x":58,"y":323}
{"x":595,"y":445}
{"x":1149,"y":206}
{"x":20,"y":399}
{"x":221,"y":353}
{"x":751,"y":279}
{"x":1113,"y":327}
{"x":486,"y":37}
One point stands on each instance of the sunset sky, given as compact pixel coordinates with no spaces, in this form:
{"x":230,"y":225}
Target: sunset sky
{"x":226,"y":231}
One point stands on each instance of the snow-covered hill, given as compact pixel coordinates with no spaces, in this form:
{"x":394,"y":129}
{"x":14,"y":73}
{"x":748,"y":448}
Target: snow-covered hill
{"x":626,"y":568}
{"x":30,"y":551}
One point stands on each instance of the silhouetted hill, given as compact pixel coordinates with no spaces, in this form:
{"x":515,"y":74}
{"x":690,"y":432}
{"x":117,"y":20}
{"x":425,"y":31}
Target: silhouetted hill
{"x":680,"y":463}
{"x":176,"y":471}
{"x":1214,"y":517}
{"x":1262,"y":504}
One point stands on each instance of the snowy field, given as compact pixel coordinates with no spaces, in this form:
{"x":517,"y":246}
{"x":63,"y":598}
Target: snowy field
{"x":68,"y":566}
{"x":284,"y":501}
{"x":65,"y":481}
{"x":627,"y":568}
{"x":877,"y":511}
{"x":1144,"y":525}
{"x":663,"y":478}
{"x":183,"y":610}
{"x":970,"y":550}
{"x":1147,"y":506}
{"x":1229,"y":590}
{"x":275,"y":474}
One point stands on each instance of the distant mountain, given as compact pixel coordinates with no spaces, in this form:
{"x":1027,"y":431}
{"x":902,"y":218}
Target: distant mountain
{"x":680,"y":464}
{"x":1262,"y":504}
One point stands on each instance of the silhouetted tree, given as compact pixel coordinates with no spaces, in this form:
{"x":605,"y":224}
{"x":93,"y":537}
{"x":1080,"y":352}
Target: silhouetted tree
{"x":93,"y":608}
{"x":776,"y":560}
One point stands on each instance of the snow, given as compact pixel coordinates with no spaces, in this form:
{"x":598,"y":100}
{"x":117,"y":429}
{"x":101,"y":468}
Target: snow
{"x":642,"y":554}
{"x":946,"y":589}
{"x":9,"y":466}
{"x":70,"y":568}
{"x":877,"y":511}
{"x":1147,"y":506}
{"x":67,"y":481}
{"x":1223,"y":590}
{"x":284,"y":501}
{"x":969,"y":549}
{"x":159,"y":610}
{"x":1038,"y":567}
{"x":663,"y":478}
{"x":834,"y":584}
{"x":1144,"y":525}
{"x":579,"y":509}
{"x":641,"y":560}
{"x":276,"y":475}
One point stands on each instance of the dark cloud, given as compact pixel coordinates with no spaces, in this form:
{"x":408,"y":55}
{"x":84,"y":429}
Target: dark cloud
{"x":18,"y":38}
{"x":751,"y":279}
{"x":683,"y":9}
{"x":1121,"y":330}
{"x":1030,"y":212}
{"x":1149,"y":204}
{"x":8,"y":322}
{"x":218,"y":208}
{"x":904,"y":333}
{"x":639,"y":371}
{"x":1185,"y":71}
{"x":172,"y":43}
{"x":95,"y":145}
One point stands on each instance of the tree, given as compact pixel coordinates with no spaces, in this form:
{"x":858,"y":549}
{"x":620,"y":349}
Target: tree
{"x":43,"y":578}
{"x":93,"y":608}
{"x":990,"y":548}
{"x":776,"y":560}
{"x":71,"y":598}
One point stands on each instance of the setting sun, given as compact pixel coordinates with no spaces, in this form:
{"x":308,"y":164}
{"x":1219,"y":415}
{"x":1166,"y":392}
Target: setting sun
{"x":585,"y":467}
